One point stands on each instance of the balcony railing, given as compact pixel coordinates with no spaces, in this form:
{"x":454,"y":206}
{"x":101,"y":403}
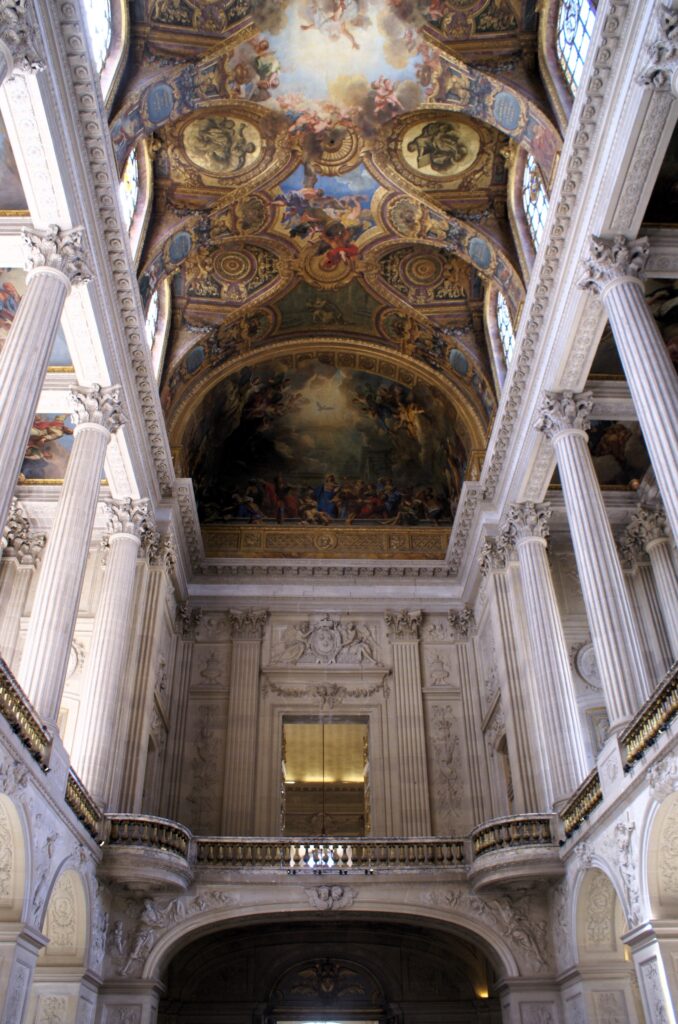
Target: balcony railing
{"x":655,"y":716}
{"x":588,"y":796}
{"x":82,"y":805}
{"x":23,"y":720}
{"x":512,"y":833}
{"x":146,"y":831}
{"x":329,"y":854}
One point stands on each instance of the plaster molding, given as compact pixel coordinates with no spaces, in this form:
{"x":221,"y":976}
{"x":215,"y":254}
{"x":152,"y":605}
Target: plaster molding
{"x":97,"y":405}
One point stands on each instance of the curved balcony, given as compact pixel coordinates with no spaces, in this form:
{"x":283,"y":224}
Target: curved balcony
{"x":321,"y":855}
{"x":511,"y":849}
{"x":146,"y":854}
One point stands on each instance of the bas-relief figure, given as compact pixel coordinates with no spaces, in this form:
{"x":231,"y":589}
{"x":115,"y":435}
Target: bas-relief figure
{"x":326,"y":641}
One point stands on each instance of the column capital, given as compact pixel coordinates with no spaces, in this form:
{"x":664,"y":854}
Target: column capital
{"x":57,"y":249}
{"x":129,"y":518}
{"x":494,"y":555}
{"x":647,"y":525}
{"x":403,"y":625}
{"x":18,"y":36}
{"x":631,"y":550}
{"x":249,"y":624}
{"x":663,"y":52}
{"x":526,"y":520}
{"x":462,"y":623}
{"x":159,"y":549}
{"x":612,"y":260}
{"x":562,"y":411}
{"x":189,"y":619}
{"x":98,"y":405}
{"x":17,"y":538}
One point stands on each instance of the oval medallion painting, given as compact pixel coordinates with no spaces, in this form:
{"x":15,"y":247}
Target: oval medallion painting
{"x":222,"y":145}
{"x":441,"y":148}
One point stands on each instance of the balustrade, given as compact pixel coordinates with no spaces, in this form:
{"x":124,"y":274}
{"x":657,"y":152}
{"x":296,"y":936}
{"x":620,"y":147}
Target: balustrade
{"x":23,"y":720}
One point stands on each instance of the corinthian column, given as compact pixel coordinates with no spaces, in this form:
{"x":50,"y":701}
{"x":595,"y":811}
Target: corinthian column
{"x":247,"y":632}
{"x":106,"y":709}
{"x":18,"y":50}
{"x":614,"y":270}
{"x":516,"y":682}
{"x":648,"y":526}
{"x":403,"y":630}
{"x":43,"y":667}
{"x":22,"y":553}
{"x":55,"y":262}
{"x":559,"y":725}
{"x":564,"y":418}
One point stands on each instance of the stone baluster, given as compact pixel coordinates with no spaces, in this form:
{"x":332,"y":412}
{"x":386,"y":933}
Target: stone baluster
{"x":462,"y":630}
{"x":559,"y":727}
{"x":650,"y":528}
{"x":516,"y":682}
{"x":103,"y":721}
{"x":247,"y":632}
{"x":18,"y":40}
{"x":564,"y":418}
{"x":22,"y":555}
{"x":661,"y":72}
{"x":55,"y":262}
{"x":615,"y":269}
{"x":404,"y":627}
{"x":43,"y":666}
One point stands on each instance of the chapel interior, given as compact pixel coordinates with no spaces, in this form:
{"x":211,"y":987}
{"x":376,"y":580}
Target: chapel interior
{"x":339,"y":509}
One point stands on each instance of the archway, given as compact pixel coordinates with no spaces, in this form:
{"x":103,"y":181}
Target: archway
{"x":342,"y":969}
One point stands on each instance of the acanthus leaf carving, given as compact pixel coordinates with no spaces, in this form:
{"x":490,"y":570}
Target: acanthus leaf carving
{"x":404,"y":625}
{"x":97,"y":404}
{"x":248,"y":624}
{"x":57,"y":249}
{"x":614,"y":259}
{"x":327,"y":641}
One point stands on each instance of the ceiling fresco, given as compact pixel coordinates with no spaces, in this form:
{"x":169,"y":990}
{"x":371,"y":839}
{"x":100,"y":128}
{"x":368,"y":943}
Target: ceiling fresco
{"x":331,"y":176}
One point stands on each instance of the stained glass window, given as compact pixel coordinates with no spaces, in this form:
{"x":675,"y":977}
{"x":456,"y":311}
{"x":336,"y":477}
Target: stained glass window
{"x":152,"y":318}
{"x":98,"y":18}
{"x":535,"y":200}
{"x":129,"y":188}
{"x":576,"y":19}
{"x":505,"y":325}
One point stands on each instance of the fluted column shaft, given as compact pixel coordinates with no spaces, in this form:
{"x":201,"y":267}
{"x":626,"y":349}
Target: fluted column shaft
{"x":562,"y":748}
{"x":104,"y":702}
{"x":55,"y":608}
{"x":614,"y":271}
{"x":243,"y":719}
{"x":479,"y":780}
{"x":664,"y":572}
{"x":15,"y":582}
{"x":54,"y":263}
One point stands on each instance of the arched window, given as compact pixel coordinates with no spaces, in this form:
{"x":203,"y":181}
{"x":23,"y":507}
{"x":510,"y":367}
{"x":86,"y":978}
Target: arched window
{"x":100,"y":28}
{"x":505,"y":327}
{"x":152,"y":318}
{"x":129,"y":188}
{"x":535,"y":200}
{"x":576,"y":19}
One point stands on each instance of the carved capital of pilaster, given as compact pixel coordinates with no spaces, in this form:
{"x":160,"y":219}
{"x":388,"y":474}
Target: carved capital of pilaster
{"x":57,"y":249}
{"x":249,"y":624}
{"x":631,"y":550}
{"x":462,"y":623}
{"x":613,"y":259}
{"x":526,"y":520}
{"x":188,"y":619}
{"x":19,"y":36}
{"x":18,"y":541}
{"x":663,"y":53}
{"x":128,"y":517}
{"x":564,"y":410}
{"x":403,"y":625}
{"x":647,"y":525}
{"x":159,"y":550}
{"x":98,"y":405}
{"x":494,"y":556}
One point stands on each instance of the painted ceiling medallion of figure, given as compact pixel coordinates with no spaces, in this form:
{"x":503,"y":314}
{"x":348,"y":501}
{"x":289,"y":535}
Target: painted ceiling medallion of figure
{"x":222,"y":145}
{"x":440,"y":148}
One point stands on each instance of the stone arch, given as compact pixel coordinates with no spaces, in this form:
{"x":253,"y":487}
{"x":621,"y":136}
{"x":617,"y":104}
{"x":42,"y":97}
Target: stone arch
{"x":599,"y":920}
{"x":660,"y":860}
{"x":14,"y":865}
{"x":66,"y":922}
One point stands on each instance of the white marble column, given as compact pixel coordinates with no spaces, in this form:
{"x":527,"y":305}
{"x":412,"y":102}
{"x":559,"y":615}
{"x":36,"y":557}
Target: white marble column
{"x":462,"y":630}
{"x":649,"y":526}
{"x":661,"y":72}
{"x":18,"y":40}
{"x":104,"y":690}
{"x":562,"y":747}
{"x":514,"y":684}
{"x":642,"y":590}
{"x":404,"y":630}
{"x":20,"y":559}
{"x":55,"y":261}
{"x":615,"y":269}
{"x":247,"y":631}
{"x":564,"y":418}
{"x":55,"y":608}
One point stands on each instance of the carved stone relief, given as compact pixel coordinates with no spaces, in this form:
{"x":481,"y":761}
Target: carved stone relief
{"x":203,"y":743}
{"x":6,"y":859}
{"x":328,"y":695}
{"x":325,"y":641}
{"x":668,"y":858}
{"x":584,"y":659}
{"x":331,"y":897}
{"x":610,"y":1008}
{"x":622,"y":846}
{"x":538,"y":1013}
{"x":574,"y":1009}
{"x":438,"y":669}
{"x":600,"y":907}
{"x":446,"y":769}
{"x":653,"y":991}
{"x":52,"y":1010}
{"x":61,"y":920}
